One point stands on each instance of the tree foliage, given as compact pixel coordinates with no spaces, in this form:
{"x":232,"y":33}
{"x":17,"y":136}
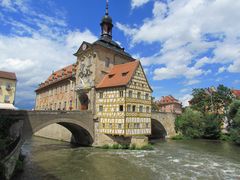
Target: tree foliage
{"x":194,"y":124}
{"x":234,"y":123}
{"x":212,"y":126}
{"x":190,"y":123}
{"x":211,"y":99}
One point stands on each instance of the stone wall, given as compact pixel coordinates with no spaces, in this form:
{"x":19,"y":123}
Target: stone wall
{"x":56,"y":132}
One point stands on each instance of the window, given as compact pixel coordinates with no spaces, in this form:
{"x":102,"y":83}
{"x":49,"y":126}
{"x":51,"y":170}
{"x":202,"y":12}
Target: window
{"x":8,"y":87}
{"x":147,"y":125}
{"x":147,"y":109}
{"x":100,"y":108}
{"x":119,"y":126}
{"x":60,"y":105}
{"x":140,"y":108}
{"x":65,"y":105}
{"x":139,"y":95}
{"x":130,"y":94}
{"x":103,"y":125}
{"x":124,"y":74}
{"x":100,"y":95}
{"x":128,"y":108}
{"x":129,"y":125}
{"x":120,"y":93}
{"x":133,"y":108}
{"x":110,"y":75}
{"x":136,"y":125}
{"x":147,"y":96}
{"x":66,"y":88}
{"x":107,"y":62}
{"x":110,"y":125}
{"x":7,"y":99}
{"x":120,"y":108}
{"x":70,"y":106}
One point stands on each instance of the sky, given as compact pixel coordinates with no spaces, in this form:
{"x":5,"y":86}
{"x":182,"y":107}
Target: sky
{"x":182,"y":44}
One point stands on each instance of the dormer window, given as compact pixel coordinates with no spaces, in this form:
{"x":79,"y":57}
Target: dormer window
{"x":124,"y":74}
{"x":111,"y":75}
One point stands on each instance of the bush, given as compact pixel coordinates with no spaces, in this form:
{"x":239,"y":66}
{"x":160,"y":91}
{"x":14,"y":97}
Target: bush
{"x":212,"y":126}
{"x":235,"y":128}
{"x":106,"y":146}
{"x":190,"y":124}
{"x":116,"y":146}
{"x":225,"y":137}
{"x":178,"y":137}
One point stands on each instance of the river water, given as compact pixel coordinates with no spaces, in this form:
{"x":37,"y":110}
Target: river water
{"x":53,"y":160}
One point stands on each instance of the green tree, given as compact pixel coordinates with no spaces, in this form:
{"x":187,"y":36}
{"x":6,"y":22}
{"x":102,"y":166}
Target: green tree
{"x":234,"y":121}
{"x":211,"y":99}
{"x":235,"y":128}
{"x":212,"y":126}
{"x":200,"y":100}
{"x":233,"y":109}
{"x":190,"y":123}
{"x":222,"y":99}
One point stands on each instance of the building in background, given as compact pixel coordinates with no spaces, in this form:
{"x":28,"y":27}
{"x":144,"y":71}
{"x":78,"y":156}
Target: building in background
{"x":236,"y":93}
{"x":58,"y":91}
{"x":169,"y":104}
{"x":8,"y":82}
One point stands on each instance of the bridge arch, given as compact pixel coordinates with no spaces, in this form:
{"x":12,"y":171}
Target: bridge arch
{"x":158,"y":130}
{"x":81,"y":134}
{"x":163,"y":124}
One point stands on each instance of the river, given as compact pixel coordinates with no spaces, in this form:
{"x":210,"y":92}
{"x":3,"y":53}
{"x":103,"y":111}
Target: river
{"x":198,"y":159}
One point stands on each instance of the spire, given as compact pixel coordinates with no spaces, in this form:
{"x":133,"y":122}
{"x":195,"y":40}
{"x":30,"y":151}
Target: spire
{"x":106,"y":8}
{"x":106,"y":24}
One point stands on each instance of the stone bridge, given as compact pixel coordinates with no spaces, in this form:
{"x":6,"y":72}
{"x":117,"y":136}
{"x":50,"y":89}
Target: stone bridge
{"x":163,"y":125}
{"x":80,"y":124}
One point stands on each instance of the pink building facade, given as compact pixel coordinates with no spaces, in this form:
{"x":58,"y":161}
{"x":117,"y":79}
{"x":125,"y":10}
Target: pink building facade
{"x":169,"y":104}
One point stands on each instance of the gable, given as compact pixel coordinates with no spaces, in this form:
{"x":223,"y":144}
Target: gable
{"x":139,"y":80}
{"x":83,"y":48}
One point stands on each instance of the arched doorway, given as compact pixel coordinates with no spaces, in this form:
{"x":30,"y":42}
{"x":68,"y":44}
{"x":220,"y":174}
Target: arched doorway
{"x":84,"y":100}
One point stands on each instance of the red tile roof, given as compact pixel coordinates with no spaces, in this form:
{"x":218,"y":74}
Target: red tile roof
{"x":8,"y":75}
{"x":236,"y":92}
{"x":57,"y":76}
{"x":119,"y":75}
{"x":168,"y":100}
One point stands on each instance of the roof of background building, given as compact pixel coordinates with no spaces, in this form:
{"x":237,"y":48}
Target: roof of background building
{"x":236,"y":92}
{"x":168,"y":100}
{"x":8,"y":75}
{"x":119,"y":75}
{"x":57,"y":76}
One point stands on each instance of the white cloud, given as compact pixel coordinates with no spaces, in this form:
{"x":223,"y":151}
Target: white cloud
{"x":192,"y":82}
{"x":33,"y":53}
{"x":221,"y":70}
{"x":187,"y":29}
{"x":185,"y":99}
{"x":138,"y":3}
{"x":74,"y":39}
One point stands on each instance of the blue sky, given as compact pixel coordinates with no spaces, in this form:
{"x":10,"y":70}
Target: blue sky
{"x":183,"y":44}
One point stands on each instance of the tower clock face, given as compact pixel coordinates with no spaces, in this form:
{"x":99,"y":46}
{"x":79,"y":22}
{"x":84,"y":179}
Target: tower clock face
{"x":84,"y":47}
